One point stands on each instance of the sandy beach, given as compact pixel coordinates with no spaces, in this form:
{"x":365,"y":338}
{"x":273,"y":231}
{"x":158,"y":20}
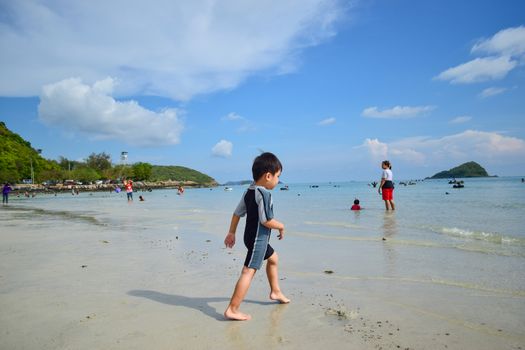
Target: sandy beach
{"x":128,"y":279}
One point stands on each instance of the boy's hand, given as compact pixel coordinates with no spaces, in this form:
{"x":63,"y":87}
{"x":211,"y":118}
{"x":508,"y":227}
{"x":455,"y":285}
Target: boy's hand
{"x":229,"y":241}
{"x":281,"y":233}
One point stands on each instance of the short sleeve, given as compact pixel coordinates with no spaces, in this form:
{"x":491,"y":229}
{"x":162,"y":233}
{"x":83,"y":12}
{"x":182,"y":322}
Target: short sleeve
{"x":241,"y":207}
{"x":385,"y":174}
{"x":264,"y":204}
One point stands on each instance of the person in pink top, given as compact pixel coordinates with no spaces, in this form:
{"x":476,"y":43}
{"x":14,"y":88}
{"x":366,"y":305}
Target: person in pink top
{"x":129,"y":189}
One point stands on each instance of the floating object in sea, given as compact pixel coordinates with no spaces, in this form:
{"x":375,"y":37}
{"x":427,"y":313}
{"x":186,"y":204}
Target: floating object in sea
{"x":284,"y":188}
{"x":458,"y":184}
{"x":228,"y":189}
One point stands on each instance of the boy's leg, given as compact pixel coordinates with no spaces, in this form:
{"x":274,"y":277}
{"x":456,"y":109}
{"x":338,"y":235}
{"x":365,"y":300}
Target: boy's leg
{"x":392,"y":205}
{"x":387,"y":205}
{"x":273,"y":279}
{"x":241,"y":288}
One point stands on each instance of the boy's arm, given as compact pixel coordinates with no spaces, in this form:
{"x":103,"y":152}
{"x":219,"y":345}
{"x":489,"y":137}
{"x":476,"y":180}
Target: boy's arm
{"x":229,"y":241}
{"x":275,"y":225}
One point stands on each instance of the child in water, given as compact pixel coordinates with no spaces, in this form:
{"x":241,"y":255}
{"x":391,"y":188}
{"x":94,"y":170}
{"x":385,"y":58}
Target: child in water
{"x":356,"y":205}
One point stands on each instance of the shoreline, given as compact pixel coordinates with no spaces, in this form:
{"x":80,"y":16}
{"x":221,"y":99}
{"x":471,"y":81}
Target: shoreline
{"x":19,"y":189}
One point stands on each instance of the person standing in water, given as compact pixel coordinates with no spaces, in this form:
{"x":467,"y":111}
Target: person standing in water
{"x":5,"y":193}
{"x":387,"y":186}
{"x":129,"y":189}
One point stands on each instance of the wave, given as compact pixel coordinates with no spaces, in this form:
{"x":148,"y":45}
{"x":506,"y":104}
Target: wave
{"x":492,"y":237}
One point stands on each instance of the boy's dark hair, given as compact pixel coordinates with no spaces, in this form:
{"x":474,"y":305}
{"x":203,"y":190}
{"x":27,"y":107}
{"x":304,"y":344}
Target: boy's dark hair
{"x":387,"y":163}
{"x":265,"y":163}
{"x":356,"y":201}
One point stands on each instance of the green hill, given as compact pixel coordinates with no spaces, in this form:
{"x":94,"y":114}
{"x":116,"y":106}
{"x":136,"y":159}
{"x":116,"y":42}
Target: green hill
{"x":16,"y":157}
{"x":469,"y":169}
{"x":180,"y":173}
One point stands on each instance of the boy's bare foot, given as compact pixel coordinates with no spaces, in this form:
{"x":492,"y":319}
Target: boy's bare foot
{"x":279,"y":296}
{"x":236,"y":316}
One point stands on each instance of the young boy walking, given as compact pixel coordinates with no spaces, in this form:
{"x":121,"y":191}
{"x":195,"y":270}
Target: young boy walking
{"x":257,"y":204}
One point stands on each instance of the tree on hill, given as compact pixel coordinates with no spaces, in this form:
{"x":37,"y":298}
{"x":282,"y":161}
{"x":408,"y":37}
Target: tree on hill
{"x":17,"y":157}
{"x":180,"y":173}
{"x":469,"y":169}
{"x":142,"y":171}
{"x":99,"y":162}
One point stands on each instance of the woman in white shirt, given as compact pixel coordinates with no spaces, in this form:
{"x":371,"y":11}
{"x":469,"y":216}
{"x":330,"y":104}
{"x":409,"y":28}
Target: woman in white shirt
{"x":387,"y":186}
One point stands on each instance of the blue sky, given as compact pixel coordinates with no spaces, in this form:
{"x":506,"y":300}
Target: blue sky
{"x":331,"y":87}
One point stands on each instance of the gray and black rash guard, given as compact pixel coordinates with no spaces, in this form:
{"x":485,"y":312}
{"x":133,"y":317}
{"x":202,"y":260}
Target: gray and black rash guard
{"x":257,"y":204}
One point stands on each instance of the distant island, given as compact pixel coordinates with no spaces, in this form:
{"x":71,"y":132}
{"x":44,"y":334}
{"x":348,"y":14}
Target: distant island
{"x":234,"y":183}
{"x":469,"y":169}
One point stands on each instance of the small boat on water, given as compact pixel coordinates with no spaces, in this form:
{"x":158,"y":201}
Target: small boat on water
{"x":284,"y":188}
{"x":228,"y":189}
{"x":458,"y":184}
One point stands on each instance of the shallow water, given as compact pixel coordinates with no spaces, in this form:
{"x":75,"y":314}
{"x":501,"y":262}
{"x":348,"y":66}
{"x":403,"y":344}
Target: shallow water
{"x":480,"y":226}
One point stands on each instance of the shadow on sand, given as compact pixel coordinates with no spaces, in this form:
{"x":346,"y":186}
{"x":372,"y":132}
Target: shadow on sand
{"x":200,"y":304}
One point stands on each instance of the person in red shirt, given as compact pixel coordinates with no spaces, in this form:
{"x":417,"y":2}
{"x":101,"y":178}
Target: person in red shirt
{"x":356,"y":205}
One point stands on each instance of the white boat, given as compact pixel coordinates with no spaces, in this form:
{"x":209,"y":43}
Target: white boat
{"x":228,"y":189}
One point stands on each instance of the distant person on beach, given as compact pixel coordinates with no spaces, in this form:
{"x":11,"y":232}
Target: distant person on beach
{"x":387,"y":186}
{"x":5,"y":193}
{"x":141,"y":198}
{"x":129,"y":189}
{"x":180,"y":190}
{"x":356,"y":205}
{"x":257,"y":204}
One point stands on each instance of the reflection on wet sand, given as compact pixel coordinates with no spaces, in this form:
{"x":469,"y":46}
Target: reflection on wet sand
{"x":389,"y":230}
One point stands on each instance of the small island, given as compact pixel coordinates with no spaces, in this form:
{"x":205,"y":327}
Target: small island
{"x":469,"y":169}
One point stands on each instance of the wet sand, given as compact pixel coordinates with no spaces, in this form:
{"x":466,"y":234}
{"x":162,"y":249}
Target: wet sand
{"x":78,"y":283}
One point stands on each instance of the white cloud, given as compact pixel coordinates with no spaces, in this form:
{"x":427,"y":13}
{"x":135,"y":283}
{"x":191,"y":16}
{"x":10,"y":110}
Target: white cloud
{"x":377,"y":149}
{"x":510,"y":42}
{"x":232,"y":116}
{"x":491,"y":91}
{"x":397,"y":112}
{"x":327,"y":121}
{"x":222,"y":149}
{"x":460,"y":119}
{"x":245,"y":125}
{"x":468,"y":145}
{"x":169,"y":48}
{"x":78,"y":107}
{"x":507,"y":50}
{"x":479,"y":70}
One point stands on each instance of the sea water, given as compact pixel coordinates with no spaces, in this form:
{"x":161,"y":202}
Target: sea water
{"x":474,"y":234}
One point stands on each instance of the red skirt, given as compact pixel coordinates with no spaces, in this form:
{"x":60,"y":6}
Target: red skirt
{"x":388,"y":194}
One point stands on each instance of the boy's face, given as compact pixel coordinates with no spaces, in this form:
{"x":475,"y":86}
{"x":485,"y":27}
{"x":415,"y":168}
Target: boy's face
{"x":271,"y":180}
